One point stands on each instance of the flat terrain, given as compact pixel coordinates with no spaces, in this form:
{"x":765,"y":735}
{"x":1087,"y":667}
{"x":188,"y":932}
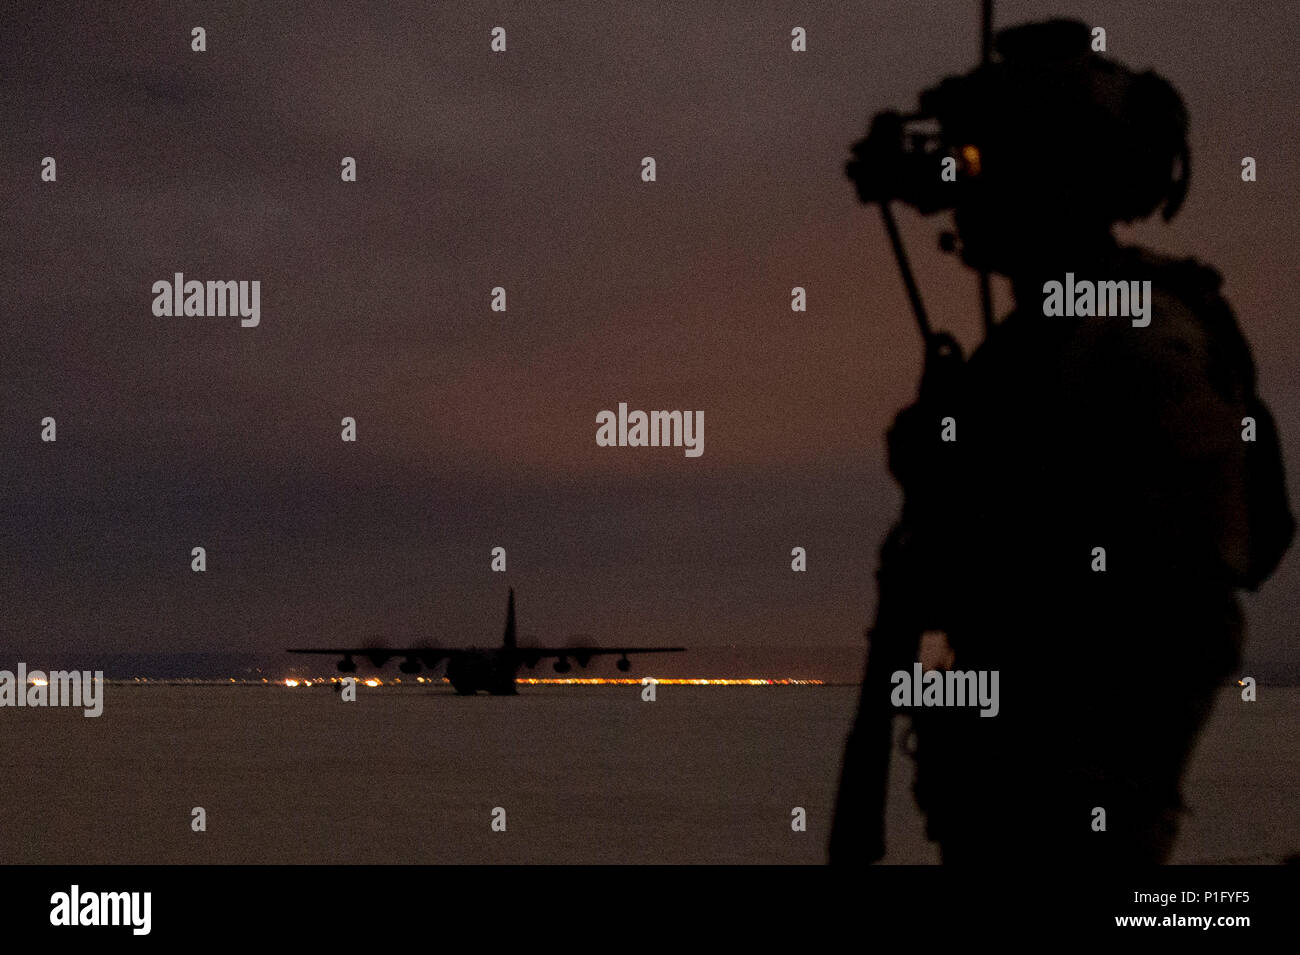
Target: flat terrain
{"x":585,"y":774}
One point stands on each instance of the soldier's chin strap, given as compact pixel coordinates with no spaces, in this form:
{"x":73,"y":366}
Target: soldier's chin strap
{"x":938,"y":345}
{"x":905,"y":269}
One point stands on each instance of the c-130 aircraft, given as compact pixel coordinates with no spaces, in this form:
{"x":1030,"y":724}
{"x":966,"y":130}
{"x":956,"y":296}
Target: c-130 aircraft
{"x":470,"y":669}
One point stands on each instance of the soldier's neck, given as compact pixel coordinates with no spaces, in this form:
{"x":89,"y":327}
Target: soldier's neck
{"x":1094,"y":260}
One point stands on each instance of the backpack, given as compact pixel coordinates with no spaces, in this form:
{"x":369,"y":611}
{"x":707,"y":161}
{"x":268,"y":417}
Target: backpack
{"x":1271,"y":526}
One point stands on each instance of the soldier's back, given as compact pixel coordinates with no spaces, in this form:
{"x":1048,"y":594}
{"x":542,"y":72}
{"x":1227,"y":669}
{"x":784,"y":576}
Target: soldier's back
{"x":1099,"y":526}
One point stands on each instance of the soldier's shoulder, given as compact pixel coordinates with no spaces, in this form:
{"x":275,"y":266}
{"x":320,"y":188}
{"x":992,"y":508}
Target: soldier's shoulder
{"x":1191,"y":320}
{"x":1188,"y":280}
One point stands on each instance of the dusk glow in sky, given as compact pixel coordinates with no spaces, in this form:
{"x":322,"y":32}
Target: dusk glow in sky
{"x":475,"y":428}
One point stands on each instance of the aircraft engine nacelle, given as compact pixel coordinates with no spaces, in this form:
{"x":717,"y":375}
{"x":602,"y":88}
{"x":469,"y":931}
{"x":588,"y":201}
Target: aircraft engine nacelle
{"x":347,"y":665}
{"x":409,"y":666}
{"x":624,"y":665}
{"x":562,"y":665}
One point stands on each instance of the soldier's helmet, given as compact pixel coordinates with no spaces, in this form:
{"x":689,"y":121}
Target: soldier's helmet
{"x":1050,"y":138}
{"x":1064,"y":139}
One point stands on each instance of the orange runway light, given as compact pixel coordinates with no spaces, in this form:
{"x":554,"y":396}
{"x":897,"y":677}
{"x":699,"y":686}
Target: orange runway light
{"x":664,"y":681}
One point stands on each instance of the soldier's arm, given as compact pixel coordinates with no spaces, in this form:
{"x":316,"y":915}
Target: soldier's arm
{"x":1182,"y":405}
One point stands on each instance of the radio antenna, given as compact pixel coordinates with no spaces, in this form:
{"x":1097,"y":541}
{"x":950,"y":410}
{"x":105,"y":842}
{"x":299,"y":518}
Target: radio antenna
{"x":986,"y":56}
{"x":986,"y":31}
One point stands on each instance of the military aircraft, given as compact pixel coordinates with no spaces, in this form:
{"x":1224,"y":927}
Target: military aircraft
{"x":470,"y":669}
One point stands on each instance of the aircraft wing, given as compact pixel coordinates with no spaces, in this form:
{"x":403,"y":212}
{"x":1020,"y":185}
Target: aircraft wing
{"x":378,"y":656}
{"x":531,"y":655}
{"x":543,"y":652}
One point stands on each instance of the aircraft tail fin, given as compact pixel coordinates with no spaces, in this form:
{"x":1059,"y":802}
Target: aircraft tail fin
{"x":509,"y":642}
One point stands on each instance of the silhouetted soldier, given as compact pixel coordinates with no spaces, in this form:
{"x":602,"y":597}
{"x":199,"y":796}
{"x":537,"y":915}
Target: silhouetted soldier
{"x":1086,"y":531}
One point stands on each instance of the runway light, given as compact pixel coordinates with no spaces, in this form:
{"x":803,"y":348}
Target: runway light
{"x":37,"y":681}
{"x":662,"y":681}
{"x":292,"y":683}
{"x":373,"y":682}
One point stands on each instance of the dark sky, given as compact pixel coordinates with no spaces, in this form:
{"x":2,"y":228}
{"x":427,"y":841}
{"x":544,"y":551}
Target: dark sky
{"x":476,"y":428}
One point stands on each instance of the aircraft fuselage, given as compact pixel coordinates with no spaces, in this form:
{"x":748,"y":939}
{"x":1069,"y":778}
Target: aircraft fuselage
{"x":470,"y":671}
